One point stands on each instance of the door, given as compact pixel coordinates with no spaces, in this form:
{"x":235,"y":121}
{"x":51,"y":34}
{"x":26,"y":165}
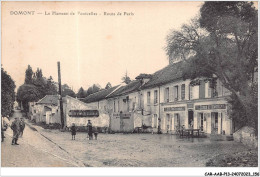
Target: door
{"x":48,"y":117}
{"x":191,"y":118}
{"x":214,"y":123}
{"x":221,"y":123}
{"x":155,"y":121}
{"x":177,"y":122}
{"x":168,"y":122}
{"x":121,"y":122}
{"x":200,"y":121}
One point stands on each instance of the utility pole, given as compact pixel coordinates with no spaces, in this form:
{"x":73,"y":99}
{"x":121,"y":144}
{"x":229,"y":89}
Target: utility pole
{"x":60,"y":98}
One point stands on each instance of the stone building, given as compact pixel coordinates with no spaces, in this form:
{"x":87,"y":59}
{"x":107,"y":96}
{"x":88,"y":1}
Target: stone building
{"x":175,"y":102}
{"x":47,"y":110}
{"x":78,"y":112}
{"x":165,"y":100}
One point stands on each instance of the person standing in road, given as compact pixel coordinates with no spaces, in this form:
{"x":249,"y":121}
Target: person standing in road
{"x":73,"y":131}
{"x":89,"y":126}
{"x":16,"y":130}
{"x":22,"y":126}
{"x":4,"y":126}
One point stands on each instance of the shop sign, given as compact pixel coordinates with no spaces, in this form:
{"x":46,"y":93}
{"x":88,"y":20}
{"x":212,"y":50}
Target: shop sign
{"x":123,"y":115}
{"x":83,"y":113}
{"x":213,"y":106}
{"x":175,"y":108}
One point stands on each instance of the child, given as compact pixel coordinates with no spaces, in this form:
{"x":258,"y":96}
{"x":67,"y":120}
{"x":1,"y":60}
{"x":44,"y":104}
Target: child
{"x":95,"y":132}
{"x":73,"y":131}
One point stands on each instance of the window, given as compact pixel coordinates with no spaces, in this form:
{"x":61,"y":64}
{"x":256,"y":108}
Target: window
{"x":176,"y":93}
{"x":190,"y":95}
{"x":148,"y":97}
{"x":202,"y":89}
{"x":118,"y":106}
{"x":183,"y":91}
{"x":155,"y":96}
{"x":114,"y":106}
{"x":166,"y":95}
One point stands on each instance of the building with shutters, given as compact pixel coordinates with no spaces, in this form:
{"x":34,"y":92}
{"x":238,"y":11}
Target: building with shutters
{"x":174,"y":102}
{"x":164,"y":101}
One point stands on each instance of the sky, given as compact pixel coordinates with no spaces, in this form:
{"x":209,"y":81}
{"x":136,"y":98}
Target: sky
{"x":92,"y":49}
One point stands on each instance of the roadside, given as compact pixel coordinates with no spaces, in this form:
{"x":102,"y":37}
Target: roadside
{"x":26,"y":155}
{"x":240,"y":159}
{"x":141,"y":150}
{"x":34,"y":143}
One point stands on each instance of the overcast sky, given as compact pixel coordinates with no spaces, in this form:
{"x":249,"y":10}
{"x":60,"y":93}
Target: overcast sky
{"x":91,"y":48}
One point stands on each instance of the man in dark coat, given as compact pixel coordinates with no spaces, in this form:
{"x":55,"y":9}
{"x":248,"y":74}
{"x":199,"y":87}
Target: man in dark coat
{"x":16,"y":131}
{"x":89,"y":126}
{"x":22,"y":126}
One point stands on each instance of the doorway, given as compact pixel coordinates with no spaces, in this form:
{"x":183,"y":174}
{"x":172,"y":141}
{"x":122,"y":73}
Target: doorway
{"x":200,"y":121}
{"x":168,"y":122}
{"x":214,"y":123}
{"x":177,"y":122}
{"x":190,"y":118}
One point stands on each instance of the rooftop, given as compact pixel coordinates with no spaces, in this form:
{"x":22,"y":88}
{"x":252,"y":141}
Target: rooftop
{"x":100,"y":95}
{"x":49,"y":99}
{"x":131,"y":87}
{"x":168,"y":74}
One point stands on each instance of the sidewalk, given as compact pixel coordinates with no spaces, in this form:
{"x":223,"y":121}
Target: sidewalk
{"x":38,"y":147}
{"x":26,"y":155}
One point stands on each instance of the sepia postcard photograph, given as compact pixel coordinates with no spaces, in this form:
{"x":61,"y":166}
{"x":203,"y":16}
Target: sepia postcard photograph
{"x":96,"y":85}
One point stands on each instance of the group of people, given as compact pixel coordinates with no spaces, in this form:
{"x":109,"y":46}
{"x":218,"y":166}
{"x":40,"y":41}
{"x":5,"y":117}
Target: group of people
{"x":89,"y":130}
{"x":17,"y":126}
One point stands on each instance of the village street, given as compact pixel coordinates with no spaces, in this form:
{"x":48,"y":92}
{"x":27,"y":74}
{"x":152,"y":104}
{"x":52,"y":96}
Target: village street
{"x":43,"y":147}
{"x":33,"y":151}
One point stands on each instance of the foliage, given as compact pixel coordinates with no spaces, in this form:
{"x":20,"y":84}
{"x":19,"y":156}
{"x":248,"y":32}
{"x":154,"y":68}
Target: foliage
{"x":126,"y":79}
{"x":50,"y":87}
{"x":28,"y":75}
{"x":68,"y":92}
{"x":36,"y":87}
{"x":28,"y":93}
{"x":222,"y":44}
{"x":81,"y":93}
{"x":93,"y":89}
{"x":7,"y":93}
{"x":108,"y":85}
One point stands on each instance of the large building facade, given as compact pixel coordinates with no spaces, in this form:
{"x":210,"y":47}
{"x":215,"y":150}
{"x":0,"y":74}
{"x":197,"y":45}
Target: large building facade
{"x":166,"y":102}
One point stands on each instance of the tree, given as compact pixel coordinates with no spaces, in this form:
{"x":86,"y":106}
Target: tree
{"x":126,"y":79}
{"x":7,"y":93}
{"x":28,"y":75}
{"x":93,"y":89}
{"x":68,"y":92}
{"x":81,"y":93}
{"x":223,"y":43}
{"x":108,"y":85}
{"x":89,"y":91}
{"x":36,"y":87}
{"x":50,"y":87}
{"x":28,"y":93}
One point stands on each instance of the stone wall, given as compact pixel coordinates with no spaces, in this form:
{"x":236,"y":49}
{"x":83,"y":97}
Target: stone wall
{"x":246,"y":135}
{"x":73,"y":104}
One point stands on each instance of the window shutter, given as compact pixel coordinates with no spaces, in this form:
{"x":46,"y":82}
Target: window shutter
{"x":183,"y":91}
{"x":202,"y":89}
